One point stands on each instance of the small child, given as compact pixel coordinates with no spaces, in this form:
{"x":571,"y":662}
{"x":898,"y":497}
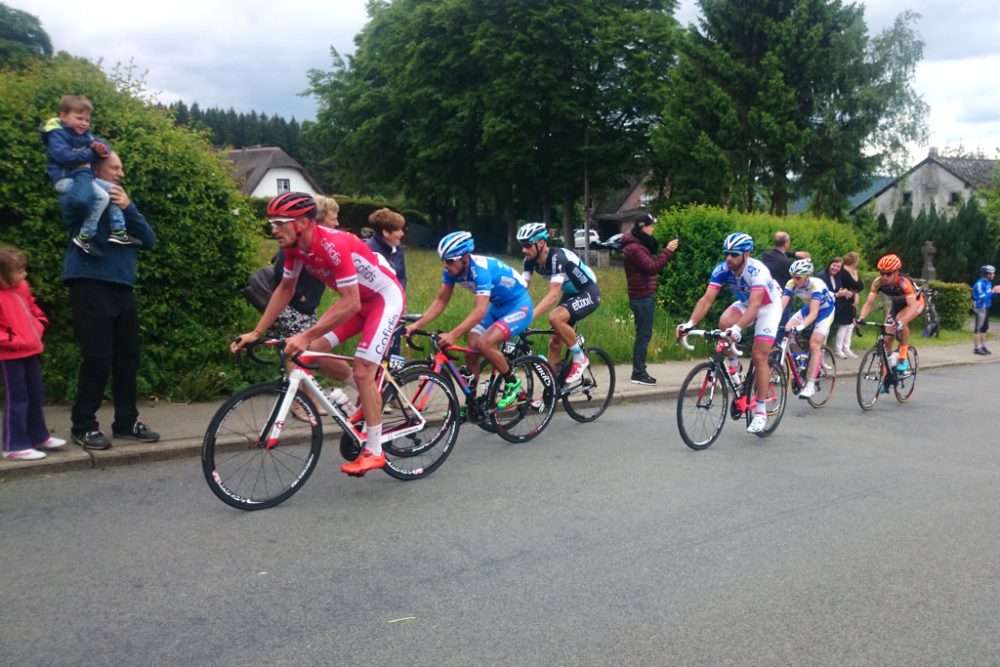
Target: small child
{"x":22,"y":324}
{"x":70,"y":147}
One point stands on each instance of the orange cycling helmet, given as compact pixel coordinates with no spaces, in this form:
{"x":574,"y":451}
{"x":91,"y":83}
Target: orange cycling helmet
{"x":889,"y":263}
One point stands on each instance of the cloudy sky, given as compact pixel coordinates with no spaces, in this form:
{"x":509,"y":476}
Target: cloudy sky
{"x":255,"y":55}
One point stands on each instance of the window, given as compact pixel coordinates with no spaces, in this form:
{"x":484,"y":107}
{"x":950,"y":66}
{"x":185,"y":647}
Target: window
{"x":284,"y":185}
{"x":955,"y":199}
{"x":907,"y":198}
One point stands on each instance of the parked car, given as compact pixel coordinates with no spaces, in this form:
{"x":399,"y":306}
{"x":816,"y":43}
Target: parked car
{"x":578,"y":237}
{"x":613,"y":243}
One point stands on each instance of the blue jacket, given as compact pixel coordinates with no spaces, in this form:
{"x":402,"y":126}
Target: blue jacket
{"x":119,"y":262}
{"x":982,"y":294}
{"x":67,"y":150}
{"x":393,"y":255}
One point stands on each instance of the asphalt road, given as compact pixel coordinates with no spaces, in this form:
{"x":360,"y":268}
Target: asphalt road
{"x":846,"y":538}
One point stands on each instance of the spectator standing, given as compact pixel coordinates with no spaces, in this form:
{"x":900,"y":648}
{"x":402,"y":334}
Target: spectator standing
{"x":845,"y":284}
{"x":641,"y":270}
{"x":22,"y":325}
{"x":104,"y":311}
{"x":327,"y":211}
{"x":982,"y":298}
{"x":777,"y":260}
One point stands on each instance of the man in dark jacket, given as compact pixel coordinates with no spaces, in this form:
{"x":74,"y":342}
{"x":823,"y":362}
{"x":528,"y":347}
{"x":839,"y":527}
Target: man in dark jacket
{"x":641,"y":269}
{"x":777,"y":260}
{"x":105,"y":315}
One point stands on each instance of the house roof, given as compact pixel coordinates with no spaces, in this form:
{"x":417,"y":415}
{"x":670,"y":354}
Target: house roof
{"x":252,"y":164}
{"x":974,"y":172}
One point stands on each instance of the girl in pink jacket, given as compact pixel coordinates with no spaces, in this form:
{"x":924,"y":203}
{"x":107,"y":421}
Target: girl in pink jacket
{"x":22,"y":324}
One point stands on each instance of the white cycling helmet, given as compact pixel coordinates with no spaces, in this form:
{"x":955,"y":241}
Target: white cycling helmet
{"x":737,"y":242}
{"x":531,"y":232}
{"x":801,"y":267}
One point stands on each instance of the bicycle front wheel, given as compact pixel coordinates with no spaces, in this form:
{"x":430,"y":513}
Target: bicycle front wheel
{"x":777,"y":395}
{"x":242,"y":462}
{"x":532,"y":410}
{"x":906,"y":382}
{"x":702,"y":405}
{"x":826,"y":378}
{"x":871,"y":378}
{"x":422,"y":395}
{"x":587,"y":400}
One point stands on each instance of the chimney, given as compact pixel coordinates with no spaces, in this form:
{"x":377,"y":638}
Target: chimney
{"x":933,"y":152}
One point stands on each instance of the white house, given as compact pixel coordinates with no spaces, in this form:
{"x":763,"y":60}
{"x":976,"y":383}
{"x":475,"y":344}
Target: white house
{"x":944,"y":182}
{"x":266,"y":171}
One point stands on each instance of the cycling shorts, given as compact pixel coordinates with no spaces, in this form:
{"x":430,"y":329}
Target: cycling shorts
{"x":582,"y":303}
{"x":511,"y":320}
{"x":376,"y":322}
{"x":765,"y":327}
{"x":898,"y":306}
{"x":982,"y":320}
{"x":823,"y":322}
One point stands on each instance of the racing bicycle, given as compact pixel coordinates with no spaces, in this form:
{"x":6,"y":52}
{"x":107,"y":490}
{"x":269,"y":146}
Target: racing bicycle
{"x":704,"y":402}
{"x":794,"y":361}
{"x":877,"y":374}
{"x":254,"y":457}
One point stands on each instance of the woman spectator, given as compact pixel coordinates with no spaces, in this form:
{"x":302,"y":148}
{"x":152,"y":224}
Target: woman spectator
{"x":641,"y":269}
{"x":388,"y":228}
{"x":841,"y":277}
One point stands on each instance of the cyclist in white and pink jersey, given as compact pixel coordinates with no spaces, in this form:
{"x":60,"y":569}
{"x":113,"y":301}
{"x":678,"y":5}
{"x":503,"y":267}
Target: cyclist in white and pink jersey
{"x":371,"y":303}
{"x":758,"y":302}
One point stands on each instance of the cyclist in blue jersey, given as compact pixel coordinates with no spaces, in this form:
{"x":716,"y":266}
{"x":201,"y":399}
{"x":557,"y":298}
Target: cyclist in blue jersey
{"x":817,"y":310}
{"x":502,"y":306}
{"x":758,"y":302}
{"x":571,"y":282}
{"x":982,"y":298}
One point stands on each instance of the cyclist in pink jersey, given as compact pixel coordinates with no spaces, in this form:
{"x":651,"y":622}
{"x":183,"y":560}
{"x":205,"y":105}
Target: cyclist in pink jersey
{"x":371,"y":303}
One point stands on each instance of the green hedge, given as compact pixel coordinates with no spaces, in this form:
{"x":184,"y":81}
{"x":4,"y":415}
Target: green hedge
{"x":701,"y":229}
{"x":188,"y":287}
{"x":953,"y":302}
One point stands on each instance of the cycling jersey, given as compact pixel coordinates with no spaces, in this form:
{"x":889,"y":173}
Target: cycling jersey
{"x":755,"y":277}
{"x":897,"y":290}
{"x":813,"y":289}
{"x":564,"y":267}
{"x":339,"y":260}
{"x":488,"y":276}
{"x":982,"y":294}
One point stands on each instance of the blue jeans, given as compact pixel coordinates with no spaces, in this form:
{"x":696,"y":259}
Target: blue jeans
{"x":643,"y":311}
{"x":100,"y":202}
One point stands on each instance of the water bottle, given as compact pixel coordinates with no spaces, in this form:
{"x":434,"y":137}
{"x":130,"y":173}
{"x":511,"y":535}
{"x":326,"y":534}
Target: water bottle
{"x":342,"y":401}
{"x":893,"y":359}
{"x":734,"y":371}
{"x":801,"y":359}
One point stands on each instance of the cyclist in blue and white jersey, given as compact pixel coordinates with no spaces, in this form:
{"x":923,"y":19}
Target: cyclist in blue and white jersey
{"x":758,"y":302}
{"x":571,"y":282}
{"x":817,"y":310}
{"x":982,"y":298}
{"x":502,"y":306}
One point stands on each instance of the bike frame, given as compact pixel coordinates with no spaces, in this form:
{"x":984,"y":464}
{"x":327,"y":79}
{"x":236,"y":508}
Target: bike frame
{"x":724,"y":344}
{"x":301,"y":376}
{"x":787,"y":360}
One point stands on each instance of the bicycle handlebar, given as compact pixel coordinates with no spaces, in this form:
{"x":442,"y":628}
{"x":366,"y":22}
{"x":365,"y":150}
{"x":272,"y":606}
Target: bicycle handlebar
{"x":712,"y":334}
{"x":279,"y":343}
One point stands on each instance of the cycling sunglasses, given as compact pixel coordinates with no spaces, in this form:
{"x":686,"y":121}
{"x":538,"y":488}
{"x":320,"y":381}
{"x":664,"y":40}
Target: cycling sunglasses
{"x":886,"y":273}
{"x":732,"y":254}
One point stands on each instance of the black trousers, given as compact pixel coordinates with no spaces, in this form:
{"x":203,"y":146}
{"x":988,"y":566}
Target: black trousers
{"x":106,"y":324}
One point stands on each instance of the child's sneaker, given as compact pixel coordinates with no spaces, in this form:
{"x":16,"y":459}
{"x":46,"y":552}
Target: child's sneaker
{"x":121,"y":237}
{"x":86,"y":244}
{"x":24,"y":455}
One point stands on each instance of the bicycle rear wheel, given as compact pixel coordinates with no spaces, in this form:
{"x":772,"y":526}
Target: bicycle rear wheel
{"x":826,"y":378}
{"x":532,"y":411}
{"x":587,"y":400}
{"x":702,"y":405}
{"x":871,"y":377}
{"x":242,"y":463}
{"x":777,"y":395}
{"x":906,"y":382}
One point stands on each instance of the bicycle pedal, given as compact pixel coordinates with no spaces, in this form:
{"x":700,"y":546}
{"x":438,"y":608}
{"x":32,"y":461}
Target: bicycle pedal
{"x":355,"y":474}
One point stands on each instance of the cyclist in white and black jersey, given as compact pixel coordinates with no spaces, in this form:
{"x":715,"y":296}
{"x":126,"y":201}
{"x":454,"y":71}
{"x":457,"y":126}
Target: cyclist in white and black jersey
{"x":571,"y":282}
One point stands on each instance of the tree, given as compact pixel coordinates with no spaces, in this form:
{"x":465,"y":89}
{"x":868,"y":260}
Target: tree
{"x":22,"y":36}
{"x":493,"y":109}
{"x":773,"y":99}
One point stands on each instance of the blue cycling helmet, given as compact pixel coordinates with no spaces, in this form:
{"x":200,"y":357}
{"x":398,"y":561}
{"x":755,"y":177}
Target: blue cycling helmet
{"x":737,"y":242}
{"x":531,"y":232}
{"x":455,"y":245}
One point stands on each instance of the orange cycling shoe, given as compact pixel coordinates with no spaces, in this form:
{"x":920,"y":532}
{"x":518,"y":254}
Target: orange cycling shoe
{"x":367,"y":461}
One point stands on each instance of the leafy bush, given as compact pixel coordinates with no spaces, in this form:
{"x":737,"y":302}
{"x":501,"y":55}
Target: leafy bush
{"x":953,"y":302}
{"x":701,"y":230}
{"x":188,"y":287}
